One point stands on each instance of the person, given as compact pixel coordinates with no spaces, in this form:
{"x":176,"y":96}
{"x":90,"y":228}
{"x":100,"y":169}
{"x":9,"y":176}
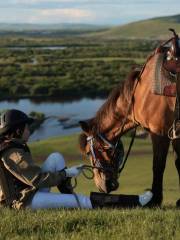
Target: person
{"x":23,"y":184}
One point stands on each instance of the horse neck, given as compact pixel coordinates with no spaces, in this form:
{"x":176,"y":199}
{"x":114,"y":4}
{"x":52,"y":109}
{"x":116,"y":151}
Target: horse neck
{"x":119,"y":129}
{"x":116,"y":119}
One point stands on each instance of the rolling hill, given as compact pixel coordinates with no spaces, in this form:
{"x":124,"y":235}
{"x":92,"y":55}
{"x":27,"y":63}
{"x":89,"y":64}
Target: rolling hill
{"x":49,"y":30}
{"x":155,"y":28}
{"x":49,"y":27}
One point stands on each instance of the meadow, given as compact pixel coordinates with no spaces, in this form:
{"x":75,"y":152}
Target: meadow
{"x":80,"y":68}
{"x":84,"y":68}
{"x":158,"y":223}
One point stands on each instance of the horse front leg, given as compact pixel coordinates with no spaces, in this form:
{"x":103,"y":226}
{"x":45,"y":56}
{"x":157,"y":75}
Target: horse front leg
{"x":160,"y":149}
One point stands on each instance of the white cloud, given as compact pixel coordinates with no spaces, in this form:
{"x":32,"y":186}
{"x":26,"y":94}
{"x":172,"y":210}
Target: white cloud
{"x":61,"y":15}
{"x":75,"y":13}
{"x":43,"y":1}
{"x":84,"y":11}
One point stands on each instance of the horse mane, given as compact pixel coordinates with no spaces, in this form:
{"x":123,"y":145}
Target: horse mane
{"x":82,"y":142}
{"x":123,"y":90}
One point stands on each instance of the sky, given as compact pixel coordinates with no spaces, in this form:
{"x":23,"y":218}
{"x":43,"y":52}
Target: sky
{"x":101,"y":12}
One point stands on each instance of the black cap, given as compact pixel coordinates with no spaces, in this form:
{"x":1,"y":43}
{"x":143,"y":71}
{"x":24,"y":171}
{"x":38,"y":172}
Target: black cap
{"x":12,"y":118}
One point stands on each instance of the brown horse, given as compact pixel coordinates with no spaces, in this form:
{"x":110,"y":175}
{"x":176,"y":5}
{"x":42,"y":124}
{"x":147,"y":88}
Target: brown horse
{"x":130,"y":104}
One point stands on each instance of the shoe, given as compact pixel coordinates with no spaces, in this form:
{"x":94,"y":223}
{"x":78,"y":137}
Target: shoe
{"x":145,"y":198}
{"x":66,"y":186}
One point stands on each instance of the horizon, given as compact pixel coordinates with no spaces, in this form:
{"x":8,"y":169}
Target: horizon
{"x":80,"y":23}
{"x":94,"y":12}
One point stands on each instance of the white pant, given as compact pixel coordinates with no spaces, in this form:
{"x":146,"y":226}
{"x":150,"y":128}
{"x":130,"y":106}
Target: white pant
{"x":46,"y":199}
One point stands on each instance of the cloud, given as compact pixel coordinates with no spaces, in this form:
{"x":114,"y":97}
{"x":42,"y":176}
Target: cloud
{"x":61,"y":15}
{"x":74,"y":13}
{"x":84,"y":11}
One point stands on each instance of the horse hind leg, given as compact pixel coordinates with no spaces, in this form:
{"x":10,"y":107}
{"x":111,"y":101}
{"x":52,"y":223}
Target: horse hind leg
{"x":176,"y":147}
{"x":160,"y":150}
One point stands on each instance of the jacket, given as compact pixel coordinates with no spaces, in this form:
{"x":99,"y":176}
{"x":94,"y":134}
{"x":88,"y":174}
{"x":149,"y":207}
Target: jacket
{"x":27,"y":176}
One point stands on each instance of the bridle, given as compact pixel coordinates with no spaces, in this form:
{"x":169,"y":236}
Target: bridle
{"x":96,"y":161}
{"x":120,"y":164}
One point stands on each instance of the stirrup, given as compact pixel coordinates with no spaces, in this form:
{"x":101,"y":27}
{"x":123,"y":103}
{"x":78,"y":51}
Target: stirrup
{"x":174,"y":131}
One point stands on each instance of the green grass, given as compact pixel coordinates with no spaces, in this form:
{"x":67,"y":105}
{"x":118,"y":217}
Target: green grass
{"x":132,"y":224}
{"x":95,"y":224}
{"x":156,"y":28}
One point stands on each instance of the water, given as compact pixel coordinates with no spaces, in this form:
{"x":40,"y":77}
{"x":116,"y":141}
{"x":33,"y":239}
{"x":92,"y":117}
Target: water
{"x":69,"y":112}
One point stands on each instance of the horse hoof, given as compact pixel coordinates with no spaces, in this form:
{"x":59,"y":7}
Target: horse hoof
{"x":178,"y":203}
{"x":154,"y":202}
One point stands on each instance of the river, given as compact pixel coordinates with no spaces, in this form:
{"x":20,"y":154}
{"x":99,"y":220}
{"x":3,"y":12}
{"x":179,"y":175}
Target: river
{"x":69,"y":113}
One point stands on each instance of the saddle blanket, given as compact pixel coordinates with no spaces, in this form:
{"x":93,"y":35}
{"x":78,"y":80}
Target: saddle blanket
{"x":163,"y":82}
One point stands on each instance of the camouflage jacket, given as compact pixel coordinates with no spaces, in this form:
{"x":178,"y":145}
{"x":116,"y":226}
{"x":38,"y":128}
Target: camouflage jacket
{"x":27,"y":175}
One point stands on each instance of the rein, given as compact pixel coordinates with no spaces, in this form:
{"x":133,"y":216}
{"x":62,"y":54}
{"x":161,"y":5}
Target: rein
{"x":118,"y":143}
{"x":90,"y":168}
{"x":128,"y":152}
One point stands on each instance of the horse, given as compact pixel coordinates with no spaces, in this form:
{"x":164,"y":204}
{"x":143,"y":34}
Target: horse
{"x":129,"y":105}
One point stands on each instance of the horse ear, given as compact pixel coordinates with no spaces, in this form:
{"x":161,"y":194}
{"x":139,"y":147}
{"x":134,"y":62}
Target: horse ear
{"x":85,"y":126}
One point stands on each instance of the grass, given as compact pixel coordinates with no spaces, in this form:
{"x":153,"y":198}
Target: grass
{"x":132,"y":224}
{"x":95,"y":224}
{"x":156,"y":28}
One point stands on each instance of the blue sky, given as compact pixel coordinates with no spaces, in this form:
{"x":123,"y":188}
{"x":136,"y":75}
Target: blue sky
{"x":112,"y":12}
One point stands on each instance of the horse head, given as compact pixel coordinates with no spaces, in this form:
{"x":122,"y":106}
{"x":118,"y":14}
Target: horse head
{"x":103,"y":156}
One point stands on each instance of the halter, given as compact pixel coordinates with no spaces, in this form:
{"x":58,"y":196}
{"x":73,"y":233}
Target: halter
{"x":121,"y":164}
{"x":97,"y":164}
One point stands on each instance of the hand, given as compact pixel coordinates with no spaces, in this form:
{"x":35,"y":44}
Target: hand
{"x":73,"y":171}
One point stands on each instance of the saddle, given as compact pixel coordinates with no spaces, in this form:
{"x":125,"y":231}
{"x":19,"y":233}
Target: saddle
{"x":166,"y":68}
{"x":163,"y":80}
{"x":171,"y":64}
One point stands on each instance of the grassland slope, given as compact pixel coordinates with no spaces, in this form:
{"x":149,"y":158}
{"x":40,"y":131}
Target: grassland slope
{"x":131,"y":224}
{"x":155,"y":28}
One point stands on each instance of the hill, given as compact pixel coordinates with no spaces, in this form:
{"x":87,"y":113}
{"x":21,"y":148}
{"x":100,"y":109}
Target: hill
{"x":48,"y":30}
{"x":47,"y":27}
{"x":155,"y":28}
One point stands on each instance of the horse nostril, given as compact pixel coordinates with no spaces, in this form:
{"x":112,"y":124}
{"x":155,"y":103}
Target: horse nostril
{"x":112,"y":185}
{"x":115,"y":185}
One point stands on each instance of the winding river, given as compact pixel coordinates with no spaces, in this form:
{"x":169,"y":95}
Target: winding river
{"x":62,"y":116}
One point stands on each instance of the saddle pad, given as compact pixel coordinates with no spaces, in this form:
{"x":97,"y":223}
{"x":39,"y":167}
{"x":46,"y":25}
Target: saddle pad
{"x":163,"y":82}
